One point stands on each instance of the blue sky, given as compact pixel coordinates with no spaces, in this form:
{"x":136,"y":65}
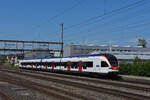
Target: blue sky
{"x":40,"y":20}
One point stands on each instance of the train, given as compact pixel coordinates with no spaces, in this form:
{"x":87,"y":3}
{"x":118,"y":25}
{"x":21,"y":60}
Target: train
{"x":104,"y":64}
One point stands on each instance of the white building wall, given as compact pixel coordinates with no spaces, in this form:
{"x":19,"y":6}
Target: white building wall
{"x":121,"y":52}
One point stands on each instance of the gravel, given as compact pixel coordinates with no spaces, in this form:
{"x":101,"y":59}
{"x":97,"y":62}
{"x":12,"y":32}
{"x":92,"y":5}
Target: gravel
{"x":20,"y":93}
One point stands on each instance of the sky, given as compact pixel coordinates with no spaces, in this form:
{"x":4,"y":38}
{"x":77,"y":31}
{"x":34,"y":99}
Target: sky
{"x":100,"y":22}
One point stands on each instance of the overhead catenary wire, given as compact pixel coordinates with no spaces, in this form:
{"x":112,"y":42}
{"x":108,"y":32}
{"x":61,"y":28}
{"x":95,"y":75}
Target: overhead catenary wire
{"x":125,"y":18}
{"x":96,"y":19}
{"x":108,"y":13}
{"x":119,"y":28}
{"x":89,"y":29}
{"x":61,"y":13}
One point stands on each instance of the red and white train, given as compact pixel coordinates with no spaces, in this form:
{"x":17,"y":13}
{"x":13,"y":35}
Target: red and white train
{"x":99,"y":63}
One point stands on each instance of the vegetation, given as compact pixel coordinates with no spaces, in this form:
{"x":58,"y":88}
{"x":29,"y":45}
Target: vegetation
{"x":4,"y":62}
{"x":138,"y":68}
{"x":142,"y":42}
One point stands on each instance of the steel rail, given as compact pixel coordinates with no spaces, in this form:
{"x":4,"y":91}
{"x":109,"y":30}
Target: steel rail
{"x":97,"y":81}
{"x":49,"y":90}
{"x":4,"y":95}
{"x":115,"y":92}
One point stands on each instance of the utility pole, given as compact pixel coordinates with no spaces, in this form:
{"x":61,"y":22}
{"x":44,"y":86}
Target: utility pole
{"x":62,"y":39}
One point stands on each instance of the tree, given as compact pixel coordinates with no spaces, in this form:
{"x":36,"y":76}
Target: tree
{"x":142,"y":42}
{"x":137,"y":60}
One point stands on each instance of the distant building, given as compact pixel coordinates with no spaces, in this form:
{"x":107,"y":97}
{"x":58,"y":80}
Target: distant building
{"x":31,"y":55}
{"x":123,"y":53}
{"x":41,"y":54}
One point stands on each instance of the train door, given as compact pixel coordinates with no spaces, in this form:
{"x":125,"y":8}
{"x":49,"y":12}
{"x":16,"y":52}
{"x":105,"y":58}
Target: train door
{"x":46,"y":65}
{"x":32,"y":65}
{"x":104,"y":66}
{"x":52,"y":65}
{"x":97,"y":65}
{"x":80,"y":66}
{"x":69,"y":66}
{"x":36,"y":65}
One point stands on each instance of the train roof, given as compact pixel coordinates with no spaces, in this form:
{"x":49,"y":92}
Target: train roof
{"x":93,"y":55}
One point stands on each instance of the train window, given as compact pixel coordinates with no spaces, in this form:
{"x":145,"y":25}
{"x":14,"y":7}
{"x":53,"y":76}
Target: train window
{"x":28,"y":63}
{"x":57,"y":64}
{"x":43,"y":63}
{"x":22,"y":63}
{"x":104,"y":64}
{"x":64,"y":64}
{"x":88,"y":64}
{"x":75,"y":65}
{"x":38,"y":63}
{"x":84,"y":65}
{"x":49,"y":64}
{"x":33,"y":63}
{"x":112,"y":59}
{"x":25,"y":63}
{"x":72,"y":66}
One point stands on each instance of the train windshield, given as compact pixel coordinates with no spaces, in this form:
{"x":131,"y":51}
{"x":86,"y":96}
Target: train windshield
{"x":112,"y":59}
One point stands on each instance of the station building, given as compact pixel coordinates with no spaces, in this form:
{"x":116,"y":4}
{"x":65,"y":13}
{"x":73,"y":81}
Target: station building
{"x":123,"y":53}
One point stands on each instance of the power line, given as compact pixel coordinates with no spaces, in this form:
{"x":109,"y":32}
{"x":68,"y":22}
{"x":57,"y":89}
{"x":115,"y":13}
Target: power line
{"x":118,"y":11}
{"x":128,"y":26}
{"x":108,"y":16}
{"x":61,"y":13}
{"x":123,"y":19}
{"x":103,"y":24}
{"x":95,"y":19}
{"x":108,"y":13}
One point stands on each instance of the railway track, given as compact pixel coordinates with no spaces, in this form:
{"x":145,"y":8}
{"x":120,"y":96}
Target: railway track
{"x":95,"y":79}
{"x":125,"y":94}
{"x":135,"y":80}
{"x":4,"y":96}
{"x":40,"y":88}
{"x":121,"y":83}
{"x":48,"y":90}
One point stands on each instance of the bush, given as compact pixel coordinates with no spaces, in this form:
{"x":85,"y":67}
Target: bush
{"x":125,"y":68}
{"x":16,"y":67}
{"x":2,"y":60}
{"x":138,"y":68}
{"x":146,"y":68}
{"x":7,"y":64}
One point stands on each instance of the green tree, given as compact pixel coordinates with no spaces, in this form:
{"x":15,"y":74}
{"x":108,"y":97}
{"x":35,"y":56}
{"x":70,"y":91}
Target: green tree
{"x":142,"y":42}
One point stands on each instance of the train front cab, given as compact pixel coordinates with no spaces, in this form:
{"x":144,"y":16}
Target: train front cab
{"x":109,"y":65}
